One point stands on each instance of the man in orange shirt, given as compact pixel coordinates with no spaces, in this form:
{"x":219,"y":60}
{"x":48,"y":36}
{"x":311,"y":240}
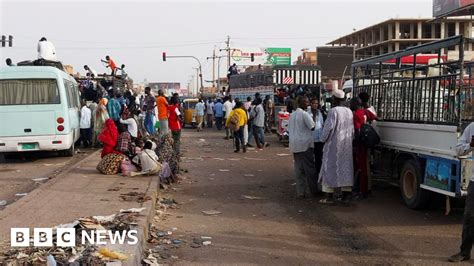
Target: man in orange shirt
{"x":110,"y":63}
{"x":162,"y":105}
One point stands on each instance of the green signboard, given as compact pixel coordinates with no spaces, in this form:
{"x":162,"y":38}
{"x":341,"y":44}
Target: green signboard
{"x":278,"y":56}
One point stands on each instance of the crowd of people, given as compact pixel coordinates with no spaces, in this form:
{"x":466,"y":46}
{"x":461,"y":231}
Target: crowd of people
{"x":138,"y":136}
{"x":329,"y":152}
{"x":244,"y":122}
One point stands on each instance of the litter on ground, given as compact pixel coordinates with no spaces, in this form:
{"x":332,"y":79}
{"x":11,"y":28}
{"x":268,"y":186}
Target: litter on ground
{"x":211,"y":212}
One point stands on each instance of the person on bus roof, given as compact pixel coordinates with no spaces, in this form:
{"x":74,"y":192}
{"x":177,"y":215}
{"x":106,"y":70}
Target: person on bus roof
{"x":46,"y":50}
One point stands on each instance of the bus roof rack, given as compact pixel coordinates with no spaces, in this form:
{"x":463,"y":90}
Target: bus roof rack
{"x":42,"y":62}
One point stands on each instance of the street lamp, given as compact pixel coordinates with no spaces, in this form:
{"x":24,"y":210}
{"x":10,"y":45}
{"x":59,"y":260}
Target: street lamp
{"x":187,"y":56}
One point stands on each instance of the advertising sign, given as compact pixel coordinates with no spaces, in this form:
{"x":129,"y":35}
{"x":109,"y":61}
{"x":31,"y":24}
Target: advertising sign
{"x":262,"y":56}
{"x":443,"y":7}
{"x":166,"y":87}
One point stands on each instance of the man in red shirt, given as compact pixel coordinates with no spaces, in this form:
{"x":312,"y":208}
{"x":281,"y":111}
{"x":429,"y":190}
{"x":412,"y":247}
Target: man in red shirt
{"x":174,"y":121}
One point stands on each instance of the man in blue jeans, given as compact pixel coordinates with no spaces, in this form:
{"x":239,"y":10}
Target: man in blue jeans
{"x":150,"y":111}
{"x":218,"y":113}
{"x":464,"y":147}
{"x":258,"y":115}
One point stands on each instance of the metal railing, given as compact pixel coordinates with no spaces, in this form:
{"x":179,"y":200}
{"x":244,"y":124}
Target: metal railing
{"x":435,"y":91}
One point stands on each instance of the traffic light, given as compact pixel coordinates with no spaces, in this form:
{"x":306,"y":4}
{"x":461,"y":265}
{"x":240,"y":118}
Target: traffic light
{"x":164,"y":56}
{"x":252,"y":57}
{"x":4,"y":40}
{"x":10,"y":41}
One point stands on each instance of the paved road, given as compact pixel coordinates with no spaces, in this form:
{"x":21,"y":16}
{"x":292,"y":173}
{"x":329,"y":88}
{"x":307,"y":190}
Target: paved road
{"x":278,"y":229}
{"x":17,"y":171}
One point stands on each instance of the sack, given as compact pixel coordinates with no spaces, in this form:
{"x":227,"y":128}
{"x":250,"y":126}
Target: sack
{"x":368,"y":136}
{"x":110,"y":164}
{"x":234,"y":122}
{"x":126,"y":166}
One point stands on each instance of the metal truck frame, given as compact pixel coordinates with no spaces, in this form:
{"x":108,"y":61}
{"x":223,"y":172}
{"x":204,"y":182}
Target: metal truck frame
{"x":423,"y":109}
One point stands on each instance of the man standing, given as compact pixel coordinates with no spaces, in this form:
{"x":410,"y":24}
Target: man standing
{"x":46,"y":50}
{"x":337,"y":171}
{"x":258,"y":118}
{"x":111,"y":64}
{"x":85,"y":125}
{"x":236,"y":121}
{"x":465,"y":147}
{"x":248,"y":106}
{"x":300,"y":128}
{"x":269,"y":106}
{"x":150,"y":111}
{"x":199,"y":114}
{"x":228,"y":106}
{"x":162,"y":105}
{"x":218,"y":113}
{"x":113,"y":107}
{"x":209,"y":112}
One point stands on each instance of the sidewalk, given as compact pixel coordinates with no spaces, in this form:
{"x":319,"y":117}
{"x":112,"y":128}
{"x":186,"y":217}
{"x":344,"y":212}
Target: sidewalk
{"x":82,"y":191}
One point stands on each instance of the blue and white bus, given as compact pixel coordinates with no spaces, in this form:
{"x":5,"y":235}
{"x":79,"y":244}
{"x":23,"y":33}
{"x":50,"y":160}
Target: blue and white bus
{"x":39,"y":110}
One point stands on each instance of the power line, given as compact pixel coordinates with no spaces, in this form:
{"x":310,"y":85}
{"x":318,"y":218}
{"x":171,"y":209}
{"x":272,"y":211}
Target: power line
{"x":128,"y":47}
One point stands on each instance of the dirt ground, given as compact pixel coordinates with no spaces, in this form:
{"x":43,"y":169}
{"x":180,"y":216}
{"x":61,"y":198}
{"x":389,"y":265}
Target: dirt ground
{"x":261,"y":222}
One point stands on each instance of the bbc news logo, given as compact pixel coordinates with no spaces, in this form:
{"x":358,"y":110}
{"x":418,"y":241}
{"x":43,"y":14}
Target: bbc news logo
{"x":66,"y":237}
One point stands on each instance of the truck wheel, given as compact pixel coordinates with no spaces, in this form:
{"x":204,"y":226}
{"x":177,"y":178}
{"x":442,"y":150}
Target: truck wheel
{"x":410,"y":179}
{"x":69,"y":152}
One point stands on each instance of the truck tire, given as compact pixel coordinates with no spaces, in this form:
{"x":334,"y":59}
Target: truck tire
{"x":410,"y":179}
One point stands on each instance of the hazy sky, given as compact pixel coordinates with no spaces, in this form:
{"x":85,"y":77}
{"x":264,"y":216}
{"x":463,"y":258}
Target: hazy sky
{"x":135,"y":33}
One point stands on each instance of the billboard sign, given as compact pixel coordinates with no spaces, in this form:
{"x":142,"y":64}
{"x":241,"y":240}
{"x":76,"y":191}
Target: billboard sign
{"x":167,"y":87}
{"x":443,"y":7}
{"x":262,"y":56}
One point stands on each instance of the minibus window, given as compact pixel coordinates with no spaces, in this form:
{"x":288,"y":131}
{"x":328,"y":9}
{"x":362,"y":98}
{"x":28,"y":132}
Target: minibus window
{"x":29,"y":91}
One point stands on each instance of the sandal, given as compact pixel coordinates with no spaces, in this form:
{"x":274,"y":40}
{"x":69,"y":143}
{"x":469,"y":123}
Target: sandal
{"x":326,"y":201}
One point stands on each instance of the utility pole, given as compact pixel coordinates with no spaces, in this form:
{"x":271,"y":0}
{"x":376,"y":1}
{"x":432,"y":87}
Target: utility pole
{"x":197,"y":80}
{"x":228,"y":51}
{"x":214,"y":67}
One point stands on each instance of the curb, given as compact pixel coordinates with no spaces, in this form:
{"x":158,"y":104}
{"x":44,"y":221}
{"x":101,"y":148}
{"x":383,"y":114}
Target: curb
{"x":144,"y":222}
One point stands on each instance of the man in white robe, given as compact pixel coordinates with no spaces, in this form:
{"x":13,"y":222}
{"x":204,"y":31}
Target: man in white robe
{"x":337,"y":170}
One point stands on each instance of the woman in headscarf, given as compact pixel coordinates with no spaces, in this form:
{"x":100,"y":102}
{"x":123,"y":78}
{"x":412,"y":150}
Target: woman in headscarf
{"x":167,"y":154}
{"x":108,"y":137}
{"x":99,"y":117}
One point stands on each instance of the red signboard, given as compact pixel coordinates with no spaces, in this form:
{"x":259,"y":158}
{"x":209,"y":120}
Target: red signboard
{"x":444,"y":7}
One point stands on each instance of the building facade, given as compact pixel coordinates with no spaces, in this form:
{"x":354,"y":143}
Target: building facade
{"x":400,"y":33}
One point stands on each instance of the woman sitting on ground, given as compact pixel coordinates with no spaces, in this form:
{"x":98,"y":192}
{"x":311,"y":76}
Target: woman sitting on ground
{"x":124,"y":143}
{"x":108,"y":137}
{"x":148,"y":161}
{"x":166,"y":154}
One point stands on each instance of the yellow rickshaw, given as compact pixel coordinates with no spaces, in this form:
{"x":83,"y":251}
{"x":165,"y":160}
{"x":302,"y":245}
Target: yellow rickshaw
{"x":189,"y":111}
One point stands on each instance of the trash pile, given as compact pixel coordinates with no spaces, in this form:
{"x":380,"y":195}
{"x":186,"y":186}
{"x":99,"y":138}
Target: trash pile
{"x":81,"y":254}
{"x":164,"y":242}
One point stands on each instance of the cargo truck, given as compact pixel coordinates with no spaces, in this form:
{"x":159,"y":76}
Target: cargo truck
{"x":423,"y":106}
